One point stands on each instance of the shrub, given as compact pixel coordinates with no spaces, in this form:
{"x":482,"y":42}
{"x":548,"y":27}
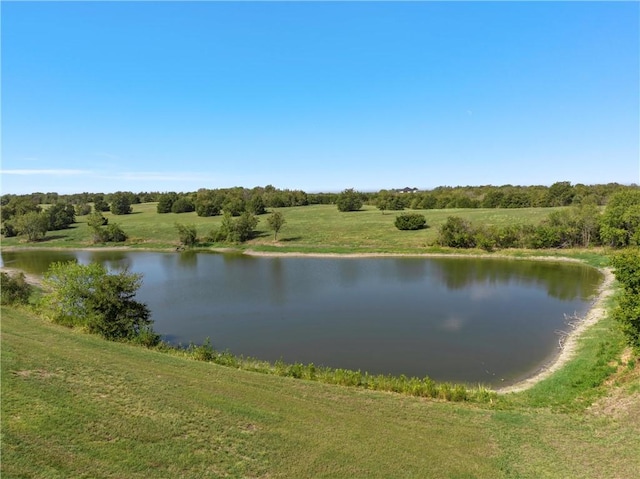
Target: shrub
{"x":111,"y":234}
{"x":121,"y":203}
{"x":61,"y":216}
{"x":620,"y":223}
{"x":96,"y":219}
{"x":88,"y":296}
{"x":456,"y":233}
{"x":182,"y":205}
{"x":349,"y":200}
{"x":99,"y":204}
{"x":204,"y":352}
{"x":237,"y":230}
{"x":166,"y":202}
{"x":410,"y":221}
{"x":14,"y":290}
{"x":115,"y":233}
{"x":9,"y":229}
{"x":83,"y":209}
{"x":187,"y":234}
{"x":627,"y":271}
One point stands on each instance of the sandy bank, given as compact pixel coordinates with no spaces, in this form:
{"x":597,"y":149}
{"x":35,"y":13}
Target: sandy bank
{"x":569,"y":347}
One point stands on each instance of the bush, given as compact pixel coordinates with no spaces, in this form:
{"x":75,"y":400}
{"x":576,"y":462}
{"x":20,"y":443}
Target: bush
{"x":96,"y":219}
{"x":83,"y":209}
{"x":115,"y":234}
{"x":88,"y":296}
{"x":166,"y":202}
{"x":182,"y":205}
{"x":349,"y":200}
{"x":99,"y":204}
{"x":121,"y":204}
{"x":61,"y":216}
{"x":235,"y":231}
{"x":14,"y":290}
{"x":111,"y":234}
{"x":457,"y":233}
{"x":410,"y":221}
{"x":9,"y":229}
{"x":627,"y":271}
{"x":187,"y":234}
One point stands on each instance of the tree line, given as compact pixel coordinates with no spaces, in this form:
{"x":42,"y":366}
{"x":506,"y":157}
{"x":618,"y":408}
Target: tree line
{"x":35,"y":214}
{"x":583,"y":225}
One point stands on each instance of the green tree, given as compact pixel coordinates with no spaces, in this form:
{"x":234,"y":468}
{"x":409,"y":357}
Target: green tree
{"x":236,"y":230}
{"x":33,"y":224}
{"x":99,"y":203}
{"x":187,"y":234}
{"x":88,"y":296}
{"x":14,"y":289}
{"x":626,"y":266}
{"x":83,"y":209}
{"x":387,"y":200}
{"x":61,"y":216}
{"x":208,"y":202}
{"x":560,"y":194}
{"x":166,"y":202}
{"x":115,"y":234}
{"x":18,"y":206}
{"x":121,"y":203}
{"x":182,"y":205}
{"x":244,"y":227}
{"x":234,"y":205}
{"x":620,"y":225}
{"x":276,"y":220}
{"x":255,"y":205}
{"x":96,"y":220}
{"x":457,"y":233}
{"x":349,"y":200}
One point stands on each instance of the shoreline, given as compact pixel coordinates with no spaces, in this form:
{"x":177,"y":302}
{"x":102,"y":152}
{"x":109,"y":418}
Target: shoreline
{"x":567,"y":350}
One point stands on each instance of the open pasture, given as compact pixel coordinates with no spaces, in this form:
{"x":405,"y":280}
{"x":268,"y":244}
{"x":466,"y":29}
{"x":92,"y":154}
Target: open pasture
{"x":314,"y":228}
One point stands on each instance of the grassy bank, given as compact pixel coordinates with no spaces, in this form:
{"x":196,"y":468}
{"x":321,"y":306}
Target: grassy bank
{"x":74,"y":405}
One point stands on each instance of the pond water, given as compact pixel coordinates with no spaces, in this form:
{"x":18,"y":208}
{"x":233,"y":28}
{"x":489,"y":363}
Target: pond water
{"x":456,"y":319}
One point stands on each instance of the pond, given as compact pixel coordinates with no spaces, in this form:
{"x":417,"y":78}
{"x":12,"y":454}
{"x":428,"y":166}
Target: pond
{"x":471,"y":320}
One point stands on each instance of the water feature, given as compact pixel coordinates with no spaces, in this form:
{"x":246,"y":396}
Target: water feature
{"x":457,"y":319}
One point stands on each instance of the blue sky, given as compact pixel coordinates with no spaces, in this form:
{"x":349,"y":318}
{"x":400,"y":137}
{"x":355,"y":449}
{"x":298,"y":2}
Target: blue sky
{"x":319,"y":96}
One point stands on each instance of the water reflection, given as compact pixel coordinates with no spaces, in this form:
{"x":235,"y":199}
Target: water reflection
{"x":558,"y":279}
{"x":460,"y":319}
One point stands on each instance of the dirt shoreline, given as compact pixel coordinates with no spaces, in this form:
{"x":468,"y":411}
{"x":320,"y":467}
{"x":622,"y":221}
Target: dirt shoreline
{"x":566,"y":353}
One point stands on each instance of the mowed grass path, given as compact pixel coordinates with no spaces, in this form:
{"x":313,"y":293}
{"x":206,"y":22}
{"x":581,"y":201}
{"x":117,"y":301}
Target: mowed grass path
{"x":74,"y":405}
{"x":315,"y":228}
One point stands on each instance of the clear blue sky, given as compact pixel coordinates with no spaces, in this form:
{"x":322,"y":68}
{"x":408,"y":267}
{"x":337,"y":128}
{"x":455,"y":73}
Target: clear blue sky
{"x":159,"y":96}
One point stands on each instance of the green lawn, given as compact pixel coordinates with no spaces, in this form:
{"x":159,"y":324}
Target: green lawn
{"x":74,"y":405}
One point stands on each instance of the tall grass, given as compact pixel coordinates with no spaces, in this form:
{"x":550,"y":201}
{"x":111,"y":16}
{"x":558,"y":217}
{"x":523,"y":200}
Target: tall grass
{"x":410,"y":386}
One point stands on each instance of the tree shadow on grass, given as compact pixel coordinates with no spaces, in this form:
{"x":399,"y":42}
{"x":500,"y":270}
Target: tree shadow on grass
{"x":51,"y":238}
{"x":262,"y":234}
{"x":290,"y":239}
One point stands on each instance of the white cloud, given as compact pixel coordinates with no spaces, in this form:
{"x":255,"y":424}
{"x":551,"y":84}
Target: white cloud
{"x":155,"y":176}
{"x":61,"y":172}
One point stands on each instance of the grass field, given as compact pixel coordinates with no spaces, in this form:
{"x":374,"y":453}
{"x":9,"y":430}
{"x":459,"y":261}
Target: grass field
{"x":315,"y":228}
{"x":74,"y":405}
